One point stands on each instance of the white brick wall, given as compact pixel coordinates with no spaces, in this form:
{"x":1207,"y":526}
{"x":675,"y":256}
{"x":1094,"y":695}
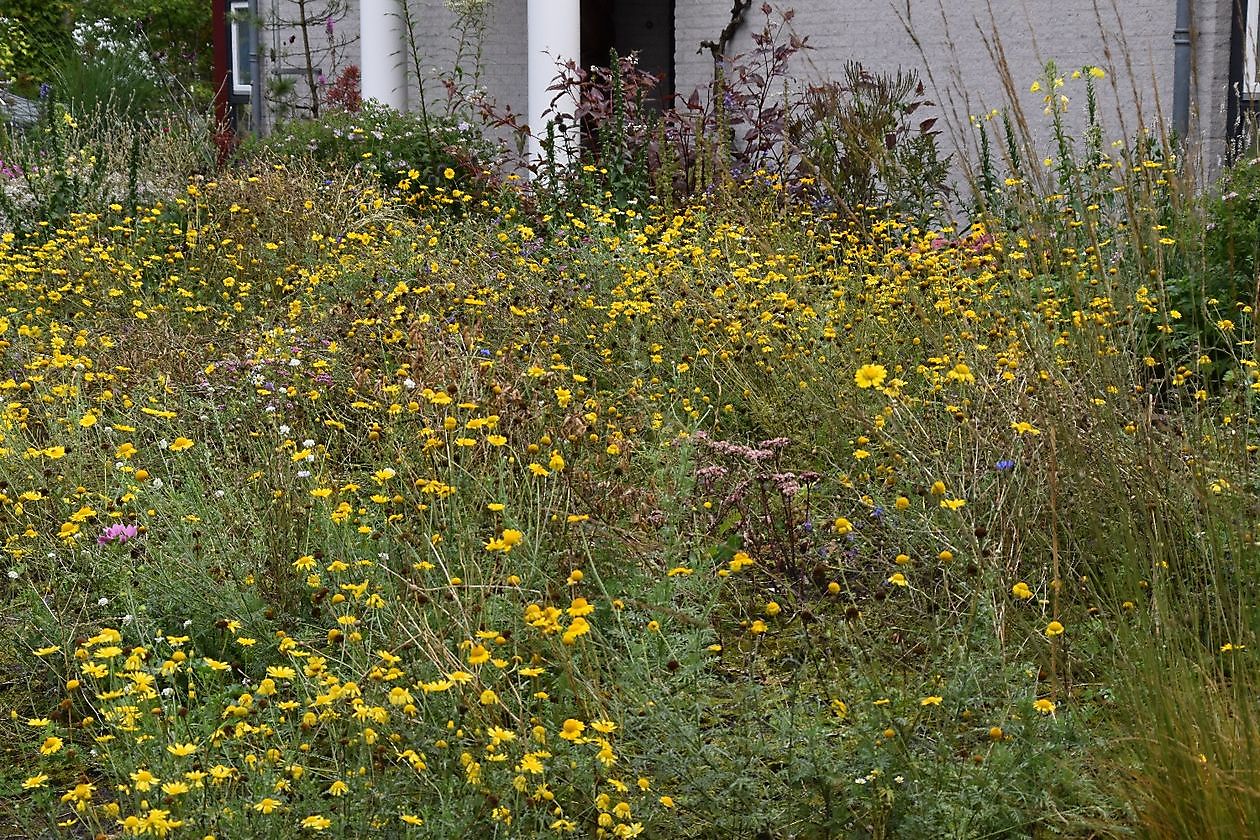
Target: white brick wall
{"x":952,"y":36}
{"x":503,"y":56}
{"x":331,"y":51}
{"x":1130,"y":38}
{"x":502,"y":59}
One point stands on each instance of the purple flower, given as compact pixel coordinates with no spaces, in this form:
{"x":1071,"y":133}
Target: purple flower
{"x":118,"y":532}
{"x":1005,"y":464}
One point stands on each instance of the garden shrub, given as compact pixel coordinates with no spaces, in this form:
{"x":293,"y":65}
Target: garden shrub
{"x":173,"y":36}
{"x":859,"y":142}
{"x":405,"y":152}
{"x":731,"y":130}
{"x":615,"y":133}
{"x":1231,"y":246}
{"x":853,"y":142}
{"x":108,"y":69}
{"x":113,"y":129}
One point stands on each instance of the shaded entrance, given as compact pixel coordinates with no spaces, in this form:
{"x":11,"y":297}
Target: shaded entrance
{"x":642,"y":26}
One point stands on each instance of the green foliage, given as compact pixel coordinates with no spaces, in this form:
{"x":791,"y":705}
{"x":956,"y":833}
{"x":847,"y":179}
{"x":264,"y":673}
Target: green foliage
{"x":818,"y":591}
{"x":73,"y":163}
{"x":862,"y":145}
{"x":13,"y":44}
{"x":173,"y":35}
{"x":170,"y":36}
{"x":1231,"y":248}
{"x":405,"y":152}
{"x":111,"y":72}
{"x":58,"y":175}
{"x":734,"y":517}
{"x":604,"y":153}
{"x":1189,"y":769}
{"x":43,"y":34}
{"x":863,"y":140}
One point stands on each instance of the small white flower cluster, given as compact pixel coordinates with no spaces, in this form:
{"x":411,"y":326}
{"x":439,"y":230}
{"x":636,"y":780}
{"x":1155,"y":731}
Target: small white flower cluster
{"x":469,"y":10}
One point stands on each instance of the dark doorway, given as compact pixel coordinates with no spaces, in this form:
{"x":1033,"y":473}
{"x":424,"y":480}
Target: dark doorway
{"x":1242,"y":110}
{"x":1235,"y":101}
{"x":642,"y":26}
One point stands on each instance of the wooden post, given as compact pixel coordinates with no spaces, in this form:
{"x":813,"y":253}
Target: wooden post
{"x":224,"y":133}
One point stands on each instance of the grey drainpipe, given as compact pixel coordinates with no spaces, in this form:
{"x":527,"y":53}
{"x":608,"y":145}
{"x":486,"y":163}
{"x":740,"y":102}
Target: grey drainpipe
{"x":255,"y":72}
{"x":1181,"y":71}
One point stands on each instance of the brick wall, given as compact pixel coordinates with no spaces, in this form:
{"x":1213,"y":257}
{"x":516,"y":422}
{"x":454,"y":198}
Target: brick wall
{"x":502,"y":54}
{"x":503,"y":57}
{"x":956,"y":40}
{"x":1132,"y":39}
{"x":333,"y":31}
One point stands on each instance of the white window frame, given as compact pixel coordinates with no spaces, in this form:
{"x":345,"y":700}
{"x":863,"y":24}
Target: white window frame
{"x":240,"y":16}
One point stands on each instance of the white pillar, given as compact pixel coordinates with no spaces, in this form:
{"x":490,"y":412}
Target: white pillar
{"x":554,"y":34}
{"x":383,"y":52}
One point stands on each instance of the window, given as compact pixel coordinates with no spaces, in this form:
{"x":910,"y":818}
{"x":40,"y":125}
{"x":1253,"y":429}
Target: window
{"x":241,"y":21}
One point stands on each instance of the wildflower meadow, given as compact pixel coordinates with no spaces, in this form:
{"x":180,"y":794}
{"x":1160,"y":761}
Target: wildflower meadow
{"x":359,"y":497}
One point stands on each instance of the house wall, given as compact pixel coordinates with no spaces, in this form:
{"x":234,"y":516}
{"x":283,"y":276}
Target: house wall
{"x":333,"y":32}
{"x":502,"y":60}
{"x":962,"y":47}
{"x":1131,"y":39}
{"x":1210,"y":34}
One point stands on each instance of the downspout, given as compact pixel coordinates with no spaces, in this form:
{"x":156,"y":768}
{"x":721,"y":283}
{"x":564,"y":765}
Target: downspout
{"x":256,"y":74}
{"x":1181,"y":71}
